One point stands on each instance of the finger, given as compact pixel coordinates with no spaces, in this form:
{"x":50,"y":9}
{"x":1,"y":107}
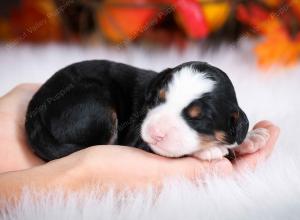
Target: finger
{"x":274,"y":132}
{"x":250,"y":161}
{"x":256,"y":139}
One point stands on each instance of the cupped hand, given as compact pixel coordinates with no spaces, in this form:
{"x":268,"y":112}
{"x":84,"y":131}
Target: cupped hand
{"x":134,"y":168}
{"x":109,"y":165}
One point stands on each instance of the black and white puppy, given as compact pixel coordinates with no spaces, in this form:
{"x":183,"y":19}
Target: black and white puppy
{"x":187,"y":110}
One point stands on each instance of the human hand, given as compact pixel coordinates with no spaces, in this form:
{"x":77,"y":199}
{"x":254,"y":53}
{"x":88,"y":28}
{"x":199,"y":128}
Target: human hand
{"x":126,"y":167}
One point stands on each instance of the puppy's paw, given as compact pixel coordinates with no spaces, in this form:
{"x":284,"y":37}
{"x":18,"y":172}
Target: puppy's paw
{"x":255,"y":140}
{"x":212,"y":153}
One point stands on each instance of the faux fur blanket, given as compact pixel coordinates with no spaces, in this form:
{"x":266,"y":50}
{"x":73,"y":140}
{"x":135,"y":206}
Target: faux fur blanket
{"x":271,"y":192}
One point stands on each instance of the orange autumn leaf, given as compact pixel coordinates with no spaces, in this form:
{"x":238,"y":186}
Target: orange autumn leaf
{"x":278,"y":48}
{"x":120,"y":25}
{"x":216,"y":14}
{"x":122,"y":21}
{"x":271,"y":26}
{"x":273,"y":3}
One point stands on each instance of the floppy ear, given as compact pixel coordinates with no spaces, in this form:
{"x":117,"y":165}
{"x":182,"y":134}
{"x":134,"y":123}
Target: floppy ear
{"x":156,"y":83}
{"x":240,"y":125}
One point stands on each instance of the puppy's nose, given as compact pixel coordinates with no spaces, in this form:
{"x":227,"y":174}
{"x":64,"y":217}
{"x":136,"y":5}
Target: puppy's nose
{"x":156,"y":133}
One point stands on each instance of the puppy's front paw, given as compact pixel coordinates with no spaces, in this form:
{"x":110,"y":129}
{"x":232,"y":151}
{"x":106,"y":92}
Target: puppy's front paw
{"x":212,"y":153}
{"x":255,"y":140}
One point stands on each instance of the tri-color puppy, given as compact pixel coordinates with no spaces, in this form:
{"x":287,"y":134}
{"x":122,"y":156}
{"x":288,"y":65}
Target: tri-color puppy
{"x":187,"y":110}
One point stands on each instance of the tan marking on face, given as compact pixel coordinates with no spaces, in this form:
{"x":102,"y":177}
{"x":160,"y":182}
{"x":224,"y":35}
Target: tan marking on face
{"x":162,"y":94}
{"x":207,"y":141}
{"x":194,"y":111}
{"x":220,"y":136}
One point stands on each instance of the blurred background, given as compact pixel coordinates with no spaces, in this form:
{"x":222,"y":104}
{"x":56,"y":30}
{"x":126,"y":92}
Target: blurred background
{"x":274,"y":23}
{"x":256,"y":42}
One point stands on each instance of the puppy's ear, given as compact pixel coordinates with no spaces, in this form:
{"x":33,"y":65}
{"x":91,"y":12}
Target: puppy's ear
{"x":239,"y":125}
{"x":157,"y":83}
{"x":166,"y":71}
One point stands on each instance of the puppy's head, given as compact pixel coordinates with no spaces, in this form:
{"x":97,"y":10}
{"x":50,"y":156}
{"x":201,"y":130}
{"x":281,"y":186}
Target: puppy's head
{"x":192,"y":107}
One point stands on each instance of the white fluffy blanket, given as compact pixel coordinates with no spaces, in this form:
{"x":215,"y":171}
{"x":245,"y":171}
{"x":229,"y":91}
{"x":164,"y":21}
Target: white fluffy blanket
{"x":272,"y":192}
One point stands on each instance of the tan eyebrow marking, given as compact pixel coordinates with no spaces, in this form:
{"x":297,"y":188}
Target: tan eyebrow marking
{"x":162,"y":94}
{"x":194,"y":111}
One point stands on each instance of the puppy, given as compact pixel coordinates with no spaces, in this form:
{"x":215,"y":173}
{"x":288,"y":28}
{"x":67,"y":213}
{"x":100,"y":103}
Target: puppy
{"x":191,"y":109}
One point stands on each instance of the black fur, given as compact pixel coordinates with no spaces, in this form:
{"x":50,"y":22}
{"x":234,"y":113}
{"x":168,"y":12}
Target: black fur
{"x":91,"y":102}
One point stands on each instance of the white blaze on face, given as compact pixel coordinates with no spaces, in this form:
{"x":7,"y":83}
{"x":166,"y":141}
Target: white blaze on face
{"x":164,"y":128}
